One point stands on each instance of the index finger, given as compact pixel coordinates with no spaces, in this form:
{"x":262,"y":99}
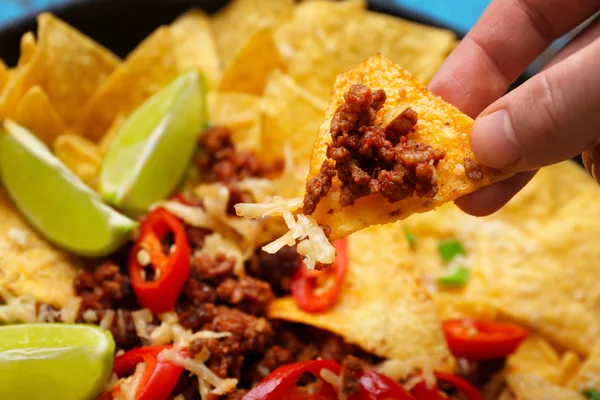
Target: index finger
{"x":509,"y":36}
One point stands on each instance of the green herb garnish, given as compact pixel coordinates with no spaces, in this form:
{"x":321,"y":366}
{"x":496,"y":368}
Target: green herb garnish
{"x":591,"y":394}
{"x":410,"y":238}
{"x":450,"y":248}
{"x":455,"y":276}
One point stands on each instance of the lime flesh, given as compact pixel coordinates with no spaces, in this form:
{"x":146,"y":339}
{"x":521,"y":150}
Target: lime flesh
{"x":54,"y":201}
{"x":54,"y":361}
{"x":151,"y":152}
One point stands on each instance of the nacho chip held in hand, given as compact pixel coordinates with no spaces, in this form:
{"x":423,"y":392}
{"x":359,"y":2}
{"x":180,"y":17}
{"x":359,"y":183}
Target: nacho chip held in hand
{"x":398,"y":150}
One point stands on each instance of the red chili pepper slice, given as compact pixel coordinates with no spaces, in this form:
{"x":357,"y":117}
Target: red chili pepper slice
{"x":477,"y":340}
{"x":422,"y":392}
{"x":159,"y":377}
{"x":315,"y":298}
{"x":171,"y":271}
{"x":375,"y":386}
{"x":281,"y":383}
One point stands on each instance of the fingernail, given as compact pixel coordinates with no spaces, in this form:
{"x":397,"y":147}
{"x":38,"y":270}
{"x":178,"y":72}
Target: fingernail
{"x":493,"y":140}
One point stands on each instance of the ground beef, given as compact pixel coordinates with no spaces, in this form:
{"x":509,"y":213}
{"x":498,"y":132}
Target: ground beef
{"x":194,"y":317}
{"x":108,"y":288}
{"x":205,"y":268}
{"x":276,"y":269}
{"x":369,"y":158}
{"x":352,"y":368}
{"x":246,"y":293}
{"x":221,"y":162}
{"x":473,"y":169}
{"x":196,"y":236}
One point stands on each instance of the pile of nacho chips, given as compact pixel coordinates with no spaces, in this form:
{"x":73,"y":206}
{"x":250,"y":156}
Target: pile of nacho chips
{"x":271,"y":67}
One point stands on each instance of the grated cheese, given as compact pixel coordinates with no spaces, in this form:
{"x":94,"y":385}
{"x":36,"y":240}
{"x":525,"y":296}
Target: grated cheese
{"x":107,"y":320}
{"x":69,"y":311}
{"x":331,"y":378}
{"x":303,"y":230}
{"x":220,"y":386}
{"x":90,"y":316}
{"x":16,"y":309}
{"x":141,"y":320}
{"x":401,"y":370}
{"x":19,"y":236}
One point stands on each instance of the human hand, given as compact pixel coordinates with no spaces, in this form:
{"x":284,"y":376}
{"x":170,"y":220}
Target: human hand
{"x":553,"y":116}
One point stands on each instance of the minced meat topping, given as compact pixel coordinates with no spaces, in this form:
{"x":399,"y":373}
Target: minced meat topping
{"x":369,"y":158}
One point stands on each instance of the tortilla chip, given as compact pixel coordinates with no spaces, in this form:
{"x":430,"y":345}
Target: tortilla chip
{"x":241,"y":19}
{"x":538,"y":271}
{"x":80,"y":155}
{"x":588,"y":377}
{"x":536,"y":356}
{"x":241,"y":113}
{"x":195,"y":45}
{"x":440,"y":125}
{"x":36,"y":113}
{"x":148,"y":68}
{"x":249,"y":69}
{"x":110,"y":134}
{"x":322,"y":18}
{"x":292,"y":115}
{"x":525,"y":386}
{"x":382,"y":307}
{"x":74,"y":65}
{"x":318,"y":59}
{"x":28,"y":49}
{"x":28,"y":264}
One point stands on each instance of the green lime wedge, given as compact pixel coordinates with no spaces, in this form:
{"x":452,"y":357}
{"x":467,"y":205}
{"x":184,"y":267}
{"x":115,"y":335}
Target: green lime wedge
{"x":151,"y":152}
{"x":54,"y":361}
{"x":54,"y":201}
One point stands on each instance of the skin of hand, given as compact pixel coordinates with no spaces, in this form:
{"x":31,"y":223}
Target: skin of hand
{"x":553,"y":116}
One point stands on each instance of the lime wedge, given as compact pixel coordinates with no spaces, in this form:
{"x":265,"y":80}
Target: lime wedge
{"x":54,"y":361}
{"x":151,"y":152}
{"x":54,"y":201}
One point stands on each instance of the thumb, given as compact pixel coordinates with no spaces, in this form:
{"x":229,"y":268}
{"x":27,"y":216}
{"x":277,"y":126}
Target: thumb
{"x":552,"y":117}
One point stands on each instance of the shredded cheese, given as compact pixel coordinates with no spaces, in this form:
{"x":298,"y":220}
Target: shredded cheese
{"x":129,"y":386}
{"x":141,"y":320}
{"x":331,"y":378}
{"x":303,"y":230}
{"x":220,"y":386}
{"x":69,"y":311}
{"x":107,"y":320}
{"x":400,"y":370}
{"x":16,"y":309}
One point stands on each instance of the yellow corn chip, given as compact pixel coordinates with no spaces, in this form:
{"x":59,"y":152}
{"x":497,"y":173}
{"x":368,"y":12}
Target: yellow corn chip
{"x":588,"y":376}
{"x":195,"y":45}
{"x":538,"y":271}
{"x":80,"y":155}
{"x":147,"y":69}
{"x":28,"y":49}
{"x":241,"y":19}
{"x":249,"y":69}
{"x":108,"y":137}
{"x":322,"y":55}
{"x":36,"y":113}
{"x":74,"y":66}
{"x":322,"y":18}
{"x":371,"y":311}
{"x":292,"y":115}
{"x":29,"y":265}
{"x":440,"y":125}
{"x":526,"y":386}
{"x":536,"y":356}
{"x":241,"y":113}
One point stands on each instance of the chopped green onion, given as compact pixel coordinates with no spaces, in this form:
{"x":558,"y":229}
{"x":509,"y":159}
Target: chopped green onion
{"x":410,"y":238}
{"x":455,"y":276}
{"x":450,"y":248}
{"x":592,"y":394}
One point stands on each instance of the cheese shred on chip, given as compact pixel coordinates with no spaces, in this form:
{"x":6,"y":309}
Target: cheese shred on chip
{"x":303,"y":230}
